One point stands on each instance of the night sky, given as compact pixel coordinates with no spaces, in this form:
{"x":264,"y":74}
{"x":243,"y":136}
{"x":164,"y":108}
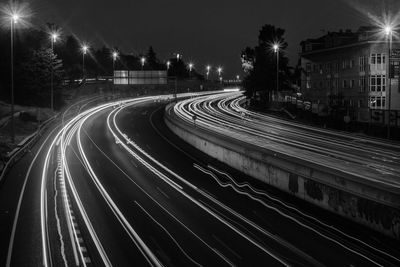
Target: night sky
{"x":205,"y":32}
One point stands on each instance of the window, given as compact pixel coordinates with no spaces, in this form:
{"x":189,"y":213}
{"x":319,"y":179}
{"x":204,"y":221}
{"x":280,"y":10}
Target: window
{"x":315,"y":69}
{"x":378,"y":102}
{"x":308,"y":67}
{"x":320,"y":68}
{"x":378,"y":59}
{"x":377,"y":83}
{"x":362,"y":63}
{"x":336,"y":67}
{"x":308,"y":82}
{"x":361,"y":84}
{"x":351,"y":84}
{"x":360,"y":103}
{"x":373,"y":59}
{"x":351,"y":64}
{"x":344,"y":84}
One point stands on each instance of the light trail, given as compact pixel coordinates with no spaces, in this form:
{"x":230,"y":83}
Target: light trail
{"x":216,"y":113}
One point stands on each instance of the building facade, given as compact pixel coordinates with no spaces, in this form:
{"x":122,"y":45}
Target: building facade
{"x":349,"y":70}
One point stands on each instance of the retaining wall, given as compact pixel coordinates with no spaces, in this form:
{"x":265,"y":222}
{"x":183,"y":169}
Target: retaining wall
{"x":371,"y":204}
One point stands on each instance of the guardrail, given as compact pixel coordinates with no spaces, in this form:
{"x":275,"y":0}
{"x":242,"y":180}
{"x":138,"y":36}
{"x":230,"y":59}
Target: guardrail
{"x":17,"y":153}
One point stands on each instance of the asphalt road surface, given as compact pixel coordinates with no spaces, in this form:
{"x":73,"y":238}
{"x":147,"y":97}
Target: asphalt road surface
{"x":113,"y":186}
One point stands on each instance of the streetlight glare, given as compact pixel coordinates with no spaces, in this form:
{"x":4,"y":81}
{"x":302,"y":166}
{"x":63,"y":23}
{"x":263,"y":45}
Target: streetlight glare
{"x":388,"y":29}
{"x":85,"y":48}
{"x":54,"y":36}
{"x":15,"y":17}
{"x":115,"y":55}
{"x":275,"y":47}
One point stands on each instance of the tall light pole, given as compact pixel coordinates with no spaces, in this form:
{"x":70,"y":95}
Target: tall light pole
{"x":143,"y":60}
{"x":53,"y":37}
{"x":168,"y":64}
{"x":85,"y":48}
{"x":219,"y":74}
{"x":389,"y":33}
{"x":13,"y":20}
{"x":190,"y":69}
{"x":276,"y":50}
{"x":208,"y":70}
{"x":114,"y":58}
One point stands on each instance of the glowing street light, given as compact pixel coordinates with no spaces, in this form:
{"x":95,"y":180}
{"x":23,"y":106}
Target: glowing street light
{"x":208,"y":70}
{"x":85,"y":49}
{"x":276,"y":48}
{"x":219,"y":70}
{"x":237,"y":77}
{"x":168,"y":64}
{"x":115,"y":56}
{"x":388,"y":30}
{"x":143,"y":60}
{"x":53,"y":37}
{"x":14,"y":18}
{"x":190,"y":69}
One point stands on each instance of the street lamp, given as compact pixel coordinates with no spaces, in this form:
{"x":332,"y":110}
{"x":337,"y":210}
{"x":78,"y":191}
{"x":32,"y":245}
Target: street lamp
{"x":14,"y":18}
{"x":219,"y":70}
{"x":208,"y":70}
{"x":143,"y":60}
{"x":190,"y":69}
{"x":276,"y":50}
{"x":237,"y":77}
{"x":168,"y":64}
{"x":53,"y":37}
{"x":114,"y":57}
{"x":85,"y":49}
{"x":388,"y":30}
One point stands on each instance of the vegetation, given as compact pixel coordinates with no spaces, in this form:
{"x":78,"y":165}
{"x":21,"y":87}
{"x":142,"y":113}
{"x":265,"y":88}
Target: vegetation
{"x":33,"y":61}
{"x":260,"y":63}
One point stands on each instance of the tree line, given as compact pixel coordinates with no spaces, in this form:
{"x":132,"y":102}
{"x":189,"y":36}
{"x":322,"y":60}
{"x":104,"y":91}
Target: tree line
{"x":34,"y":60}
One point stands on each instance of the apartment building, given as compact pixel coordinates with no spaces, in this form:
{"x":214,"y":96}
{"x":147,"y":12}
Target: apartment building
{"x":349,"y":69}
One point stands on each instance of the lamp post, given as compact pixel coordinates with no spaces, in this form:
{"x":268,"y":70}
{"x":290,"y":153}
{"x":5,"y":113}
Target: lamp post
{"x":53,"y":37}
{"x":168,"y":64}
{"x":276,"y":50}
{"x":13,"y":20}
{"x":85,"y":48}
{"x":114,"y":58}
{"x":143,"y":60}
{"x":208,"y":71}
{"x":389,"y":33}
{"x":190,"y":69}
{"x":219,"y":74}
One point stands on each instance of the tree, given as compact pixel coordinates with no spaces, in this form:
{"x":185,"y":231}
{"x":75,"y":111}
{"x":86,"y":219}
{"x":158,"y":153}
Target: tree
{"x":260,"y":64}
{"x":34,"y":82}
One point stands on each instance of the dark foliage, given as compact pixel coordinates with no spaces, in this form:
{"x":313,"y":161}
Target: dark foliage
{"x":260,"y":64}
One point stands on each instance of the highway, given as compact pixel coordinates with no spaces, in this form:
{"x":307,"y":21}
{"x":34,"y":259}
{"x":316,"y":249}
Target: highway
{"x":112,"y":186}
{"x":370,"y":159}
